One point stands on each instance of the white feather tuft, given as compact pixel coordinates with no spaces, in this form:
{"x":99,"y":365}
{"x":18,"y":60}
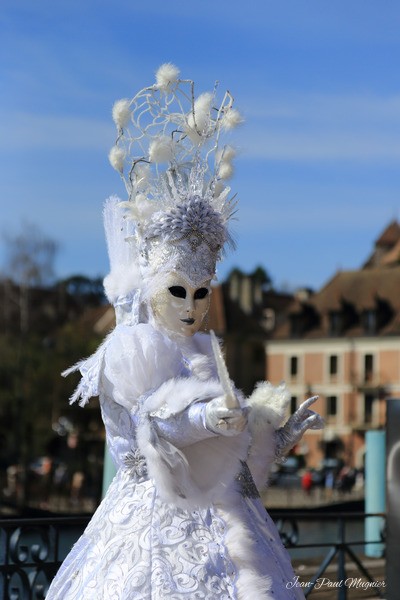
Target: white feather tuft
{"x":269,"y":401}
{"x":202,"y":107}
{"x":198,"y":123}
{"x":231,"y":119}
{"x":252,"y":581}
{"x":227,"y":154}
{"x":166,"y":75}
{"x":224,"y":160}
{"x":268,"y":405}
{"x":225,"y":170}
{"x":116,"y":157}
{"x":121,"y":113}
{"x":161,"y":149}
{"x":124,"y":274}
{"x":145,"y":207}
{"x":121,"y":281}
{"x":141,"y":209}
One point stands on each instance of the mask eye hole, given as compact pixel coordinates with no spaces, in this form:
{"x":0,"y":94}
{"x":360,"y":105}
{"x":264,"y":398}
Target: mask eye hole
{"x":178,"y":291}
{"x":200,"y":293}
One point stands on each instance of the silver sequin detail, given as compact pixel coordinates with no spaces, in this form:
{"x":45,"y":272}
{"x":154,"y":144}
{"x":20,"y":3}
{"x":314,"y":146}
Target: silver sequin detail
{"x":247,"y":487}
{"x":136,"y":464}
{"x":187,"y":238}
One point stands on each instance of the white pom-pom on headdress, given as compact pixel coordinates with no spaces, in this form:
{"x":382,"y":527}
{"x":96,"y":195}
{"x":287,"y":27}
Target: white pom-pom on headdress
{"x":227,"y":154}
{"x":121,"y":113}
{"x":166,"y":76}
{"x":225,"y":170}
{"x":142,"y":209}
{"x":231,"y":119}
{"x":116,"y":157}
{"x":199,"y":118}
{"x":161,"y":149}
{"x":168,"y":141}
{"x":224,"y":162}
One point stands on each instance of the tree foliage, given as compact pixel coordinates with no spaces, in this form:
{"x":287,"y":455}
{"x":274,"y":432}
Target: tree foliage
{"x":30,"y":256}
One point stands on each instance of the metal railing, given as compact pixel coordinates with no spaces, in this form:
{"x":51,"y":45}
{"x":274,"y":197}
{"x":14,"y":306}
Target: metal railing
{"x":32,"y":550}
{"x":340,"y":549}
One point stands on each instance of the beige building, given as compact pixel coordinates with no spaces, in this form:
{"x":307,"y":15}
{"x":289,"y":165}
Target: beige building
{"x":343,"y":343}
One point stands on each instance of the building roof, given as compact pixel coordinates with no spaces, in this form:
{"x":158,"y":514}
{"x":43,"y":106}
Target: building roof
{"x":350,"y":294}
{"x":390,"y":235}
{"x":352,"y":303}
{"x":387,"y":248}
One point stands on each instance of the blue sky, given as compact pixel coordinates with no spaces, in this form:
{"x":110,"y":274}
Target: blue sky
{"x":317,"y":81}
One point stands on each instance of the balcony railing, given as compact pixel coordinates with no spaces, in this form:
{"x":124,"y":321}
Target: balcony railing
{"x":32,"y":550}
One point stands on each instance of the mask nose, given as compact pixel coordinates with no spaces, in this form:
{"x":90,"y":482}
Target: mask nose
{"x":189,"y":305}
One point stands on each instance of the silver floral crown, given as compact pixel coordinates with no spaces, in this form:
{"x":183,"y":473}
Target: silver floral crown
{"x":169,"y":156}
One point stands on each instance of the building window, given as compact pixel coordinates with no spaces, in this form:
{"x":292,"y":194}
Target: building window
{"x":296,"y":325}
{"x":268,"y":319}
{"x":331,"y":407}
{"x":333,"y":365}
{"x":368,"y":407}
{"x":293,"y":404}
{"x":370,"y":321}
{"x":368,"y":367}
{"x":335,"y":323}
{"x":294,"y":366}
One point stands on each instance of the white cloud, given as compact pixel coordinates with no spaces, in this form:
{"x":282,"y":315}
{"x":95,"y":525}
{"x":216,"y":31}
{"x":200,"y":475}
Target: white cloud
{"x":324,"y":106}
{"x":322,"y":146}
{"x":315,"y":127}
{"x":25,"y":131}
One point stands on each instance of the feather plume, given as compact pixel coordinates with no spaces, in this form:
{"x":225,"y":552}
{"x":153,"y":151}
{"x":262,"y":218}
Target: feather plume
{"x":161,"y":149}
{"x":225,"y":170}
{"x":116,"y":157}
{"x":166,"y":75}
{"x":198,"y":121}
{"x":227,"y":154}
{"x":121,"y":113}
{"x":231,"y":119}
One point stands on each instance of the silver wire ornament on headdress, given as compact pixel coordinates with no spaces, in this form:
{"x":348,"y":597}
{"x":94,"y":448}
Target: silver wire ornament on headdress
{"x":169,"y":155}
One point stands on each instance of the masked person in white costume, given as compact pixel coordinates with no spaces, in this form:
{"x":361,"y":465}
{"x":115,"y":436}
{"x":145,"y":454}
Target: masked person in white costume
{"x":182,"y":518}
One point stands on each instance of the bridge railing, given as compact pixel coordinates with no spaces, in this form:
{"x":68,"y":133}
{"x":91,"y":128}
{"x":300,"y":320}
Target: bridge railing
{"x":32,"y":550}
{"x":342,"y":550}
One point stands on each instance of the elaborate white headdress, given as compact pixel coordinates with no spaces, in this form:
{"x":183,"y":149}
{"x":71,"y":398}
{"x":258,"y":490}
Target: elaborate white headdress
{"x":169,"y":156}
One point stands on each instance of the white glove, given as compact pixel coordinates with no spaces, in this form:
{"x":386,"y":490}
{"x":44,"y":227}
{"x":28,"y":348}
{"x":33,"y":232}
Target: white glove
{"x":293,"y":430}
{"x":222,"y":420}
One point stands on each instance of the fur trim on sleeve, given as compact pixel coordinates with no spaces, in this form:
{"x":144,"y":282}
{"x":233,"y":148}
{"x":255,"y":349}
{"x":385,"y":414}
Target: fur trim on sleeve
{"x":196,"y":475}
{"x":268,"y":405}
{"x":173,"y":396}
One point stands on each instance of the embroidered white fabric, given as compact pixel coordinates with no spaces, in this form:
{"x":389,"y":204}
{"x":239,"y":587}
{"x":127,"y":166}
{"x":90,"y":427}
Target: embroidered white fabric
{"x":140,"y":547}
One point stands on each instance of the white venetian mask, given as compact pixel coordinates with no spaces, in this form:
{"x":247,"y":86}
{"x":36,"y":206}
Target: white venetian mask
{"x":180,"y":308}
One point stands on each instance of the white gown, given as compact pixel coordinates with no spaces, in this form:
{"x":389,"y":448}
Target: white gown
{"x":182,"y":518}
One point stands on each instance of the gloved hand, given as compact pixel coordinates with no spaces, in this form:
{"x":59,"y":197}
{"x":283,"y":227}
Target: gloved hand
{"x":293,"y":430}
{"x":222,"y":420}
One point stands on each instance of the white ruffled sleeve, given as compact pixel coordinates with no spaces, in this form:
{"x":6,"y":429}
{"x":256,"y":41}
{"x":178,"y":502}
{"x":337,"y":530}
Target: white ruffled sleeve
{"x":137,"y":361}
{"x":197,"y":467}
